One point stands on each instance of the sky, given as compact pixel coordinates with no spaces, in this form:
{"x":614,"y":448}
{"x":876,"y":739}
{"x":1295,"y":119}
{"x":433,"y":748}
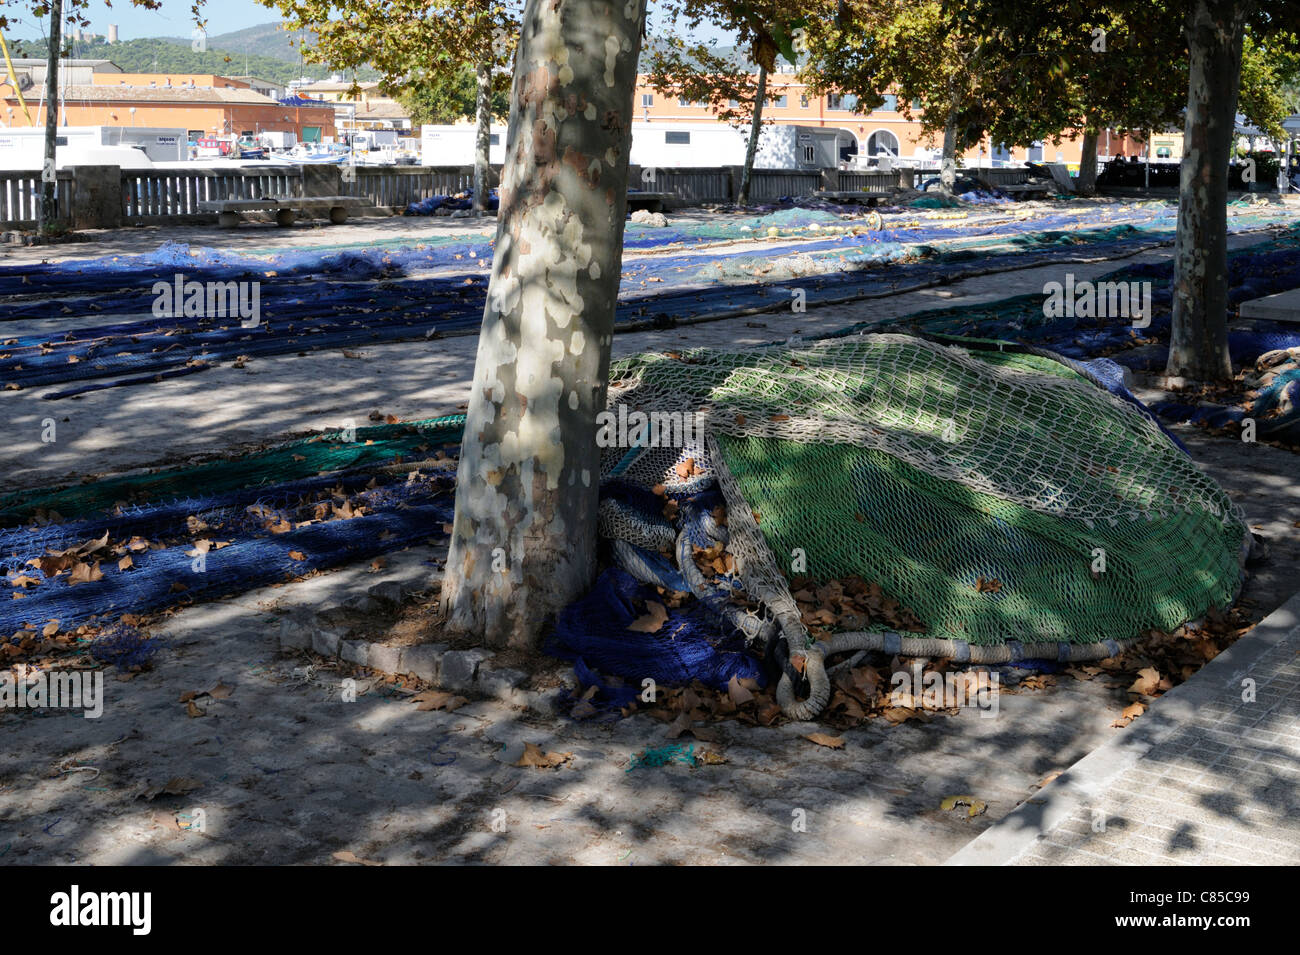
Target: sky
{"x":174,"y":19}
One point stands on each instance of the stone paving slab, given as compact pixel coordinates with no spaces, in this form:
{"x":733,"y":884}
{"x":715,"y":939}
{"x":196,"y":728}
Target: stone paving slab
{"x":1279,"y":307}
{"x":1209,"y":775}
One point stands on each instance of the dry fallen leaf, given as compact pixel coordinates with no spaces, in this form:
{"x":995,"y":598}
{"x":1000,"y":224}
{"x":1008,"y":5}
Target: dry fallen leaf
{"x":349,"y":856}
{"x":1147,"y":682}
{"x":438,"y":700}
{"x":650,"y":622}
{"x":85,"y":574}
{"x":535,"y":757}
{"x":739,"y":694}
{"x":1131,"y":712}
{"x":822,"y":739}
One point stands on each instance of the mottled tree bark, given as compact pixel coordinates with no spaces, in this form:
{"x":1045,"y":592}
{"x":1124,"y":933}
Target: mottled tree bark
{"x":524,"y":539}
{"x":1086,"y":182}
{"x":483,"y":139}
{"x":948,"y":160}
{"x":1198,"y":340}
{"x":49,"y":211}
{"x":751,"y":148}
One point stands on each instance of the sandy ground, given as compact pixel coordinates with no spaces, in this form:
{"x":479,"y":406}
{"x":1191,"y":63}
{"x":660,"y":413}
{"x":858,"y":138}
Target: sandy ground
{"x":284,"y":771}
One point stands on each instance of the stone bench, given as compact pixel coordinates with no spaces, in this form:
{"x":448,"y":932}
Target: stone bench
{"x":230,"y":212}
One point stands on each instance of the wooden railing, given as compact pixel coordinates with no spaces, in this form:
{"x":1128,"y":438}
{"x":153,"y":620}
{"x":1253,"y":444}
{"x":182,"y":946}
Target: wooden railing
{"x":152,"y":196}
{"x":160,"y":196}
{"x":20,"y":198}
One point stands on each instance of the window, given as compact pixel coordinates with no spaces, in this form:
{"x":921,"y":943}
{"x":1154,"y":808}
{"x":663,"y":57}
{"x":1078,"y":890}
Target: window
{"x":733,"y":103}
{"x":1036,"y":152}
{"x":494,"y":139}
{"x":882,"y":143}
{"x":683,"y":101}
{"x":647,"y":99}
{"x":677,"y":137}
{"x":196,"y":134}
{"x":891,"y":103}
{"x":845,"y":101}
{"x":781,"y":100}
{"x":803,"y":101}
{"x":916,"y":104}
{"x":1001,"y":153}
{"x":809,"y":155}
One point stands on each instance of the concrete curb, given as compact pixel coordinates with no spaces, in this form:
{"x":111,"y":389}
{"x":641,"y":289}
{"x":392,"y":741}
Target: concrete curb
{"x":460,"y":671}
{"x":1088,"y":779}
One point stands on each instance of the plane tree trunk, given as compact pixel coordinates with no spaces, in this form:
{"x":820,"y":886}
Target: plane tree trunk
{"x":1198,"y":340}
{"x":523,"y":543}
{"x":948,"y":161}
{"x":751,"y":149}
{"x":1086,"y":182}
{"x":483,"y":139}
{"x":49,"y":177}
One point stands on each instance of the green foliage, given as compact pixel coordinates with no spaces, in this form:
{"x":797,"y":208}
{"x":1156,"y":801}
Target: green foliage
{"x":447,"y":95}
{"x":698,"y":73}
{"x":417,"y":47}
{"x":919,"y":51}
{"x":1269,"y":70}
{"x":722,"y":78}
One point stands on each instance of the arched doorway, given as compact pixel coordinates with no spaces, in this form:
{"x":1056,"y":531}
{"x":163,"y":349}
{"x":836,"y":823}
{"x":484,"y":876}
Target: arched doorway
{"x":882,"y":143}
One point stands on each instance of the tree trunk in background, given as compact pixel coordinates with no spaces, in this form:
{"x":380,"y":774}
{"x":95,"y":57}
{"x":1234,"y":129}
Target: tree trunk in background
{"x":49,"y":211}
{"x":1198,"y":340}
{"x":1086,"y":182}
{"x":483,"y":139}
{"x":755,"y":127}
{"x":948,"y":161}
{"x":524,"y":540}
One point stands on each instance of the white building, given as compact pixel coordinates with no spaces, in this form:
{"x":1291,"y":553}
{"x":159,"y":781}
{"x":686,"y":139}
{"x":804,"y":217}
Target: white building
{"x":665,"y":145}
{"x":91,"y":145}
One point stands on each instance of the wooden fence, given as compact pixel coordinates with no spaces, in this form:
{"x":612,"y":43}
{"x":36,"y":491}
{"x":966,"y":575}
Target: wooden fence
{"x":20,"y":198}
{"x":106,"y":197}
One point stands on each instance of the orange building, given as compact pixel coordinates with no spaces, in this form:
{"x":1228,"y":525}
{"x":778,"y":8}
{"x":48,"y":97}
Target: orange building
{"x":879,"y":132}
{"x":203,"y":104}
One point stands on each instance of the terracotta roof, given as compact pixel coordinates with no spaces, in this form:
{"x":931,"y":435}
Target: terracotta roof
{"x":384,"y":109}
{"x":164,"y":94}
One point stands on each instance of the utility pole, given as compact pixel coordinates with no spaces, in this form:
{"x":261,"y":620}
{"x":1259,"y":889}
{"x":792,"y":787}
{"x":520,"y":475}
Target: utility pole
{"x":48,"y":176}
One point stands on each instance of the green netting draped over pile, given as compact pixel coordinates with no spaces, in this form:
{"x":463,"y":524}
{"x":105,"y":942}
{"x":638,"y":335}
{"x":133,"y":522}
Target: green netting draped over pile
{"x":335,"y":451}
{"x":982,"y":489}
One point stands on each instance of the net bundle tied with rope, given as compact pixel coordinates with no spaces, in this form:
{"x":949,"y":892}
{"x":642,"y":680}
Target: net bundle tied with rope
{"x":1018,"y":504}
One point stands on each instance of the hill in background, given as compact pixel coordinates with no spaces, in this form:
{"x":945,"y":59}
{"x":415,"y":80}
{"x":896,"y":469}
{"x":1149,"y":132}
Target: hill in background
{"x":263,"y":51}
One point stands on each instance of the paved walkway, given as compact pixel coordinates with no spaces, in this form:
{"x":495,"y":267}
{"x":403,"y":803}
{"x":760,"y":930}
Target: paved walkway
{"x":1209,"y":775}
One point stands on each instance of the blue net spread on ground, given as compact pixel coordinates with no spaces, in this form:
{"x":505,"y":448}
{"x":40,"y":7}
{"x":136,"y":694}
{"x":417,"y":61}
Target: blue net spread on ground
{"x":692,"y":644}
{"x":254,"y":537}
{"x":312,"y":300}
